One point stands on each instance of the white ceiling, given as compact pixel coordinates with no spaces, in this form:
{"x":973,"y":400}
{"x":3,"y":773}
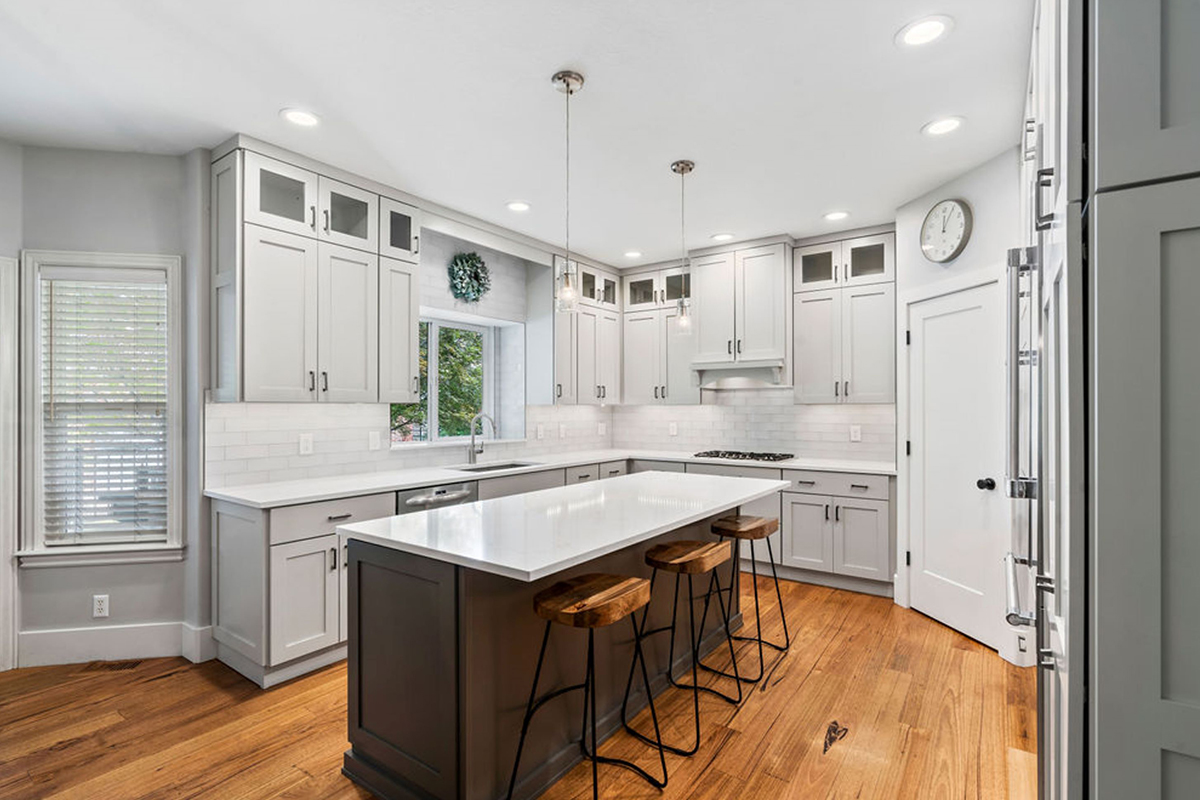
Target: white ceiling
{"x":790,"y":108}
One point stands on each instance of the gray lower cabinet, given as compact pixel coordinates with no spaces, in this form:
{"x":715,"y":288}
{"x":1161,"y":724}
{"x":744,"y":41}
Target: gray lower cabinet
{"x":641,"y":465}
{"x":808,"y":532}
{"x":583,"y":474}
{"x":763,"y":507}
{"x":303,"y":597}
{"x":839,"y":535}
{"x":611,"y":469}
{"x":492,"y":488}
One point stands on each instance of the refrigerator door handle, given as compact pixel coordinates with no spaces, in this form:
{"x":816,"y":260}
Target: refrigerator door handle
{"x":1013,"y":614}
{"x":1020,"y":260}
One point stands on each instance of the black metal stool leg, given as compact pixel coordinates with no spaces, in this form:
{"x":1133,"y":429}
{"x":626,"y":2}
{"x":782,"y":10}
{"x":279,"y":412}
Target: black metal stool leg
{"x":591,"y":681}
{"x":714,"y":586}
{"x":787,"y":639}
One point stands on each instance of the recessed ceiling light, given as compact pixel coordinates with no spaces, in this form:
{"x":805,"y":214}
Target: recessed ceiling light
{"x":633,"y":253}
{"x":721,"y":237}
{"x":518,"y":205}
{"x":924,"y":30}
{"x":298,"y":116}
{"x":940,"y":127}
{"x":834,"y":216}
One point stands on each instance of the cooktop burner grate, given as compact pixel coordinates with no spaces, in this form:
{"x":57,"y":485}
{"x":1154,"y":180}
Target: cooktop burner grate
{"x":742,"y":455}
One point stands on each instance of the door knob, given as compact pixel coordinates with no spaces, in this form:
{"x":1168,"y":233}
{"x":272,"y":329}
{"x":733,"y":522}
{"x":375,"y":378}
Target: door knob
{"x":987,"y":484}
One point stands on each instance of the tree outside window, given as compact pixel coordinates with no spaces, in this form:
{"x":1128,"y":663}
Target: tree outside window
{"x":459,"y":365}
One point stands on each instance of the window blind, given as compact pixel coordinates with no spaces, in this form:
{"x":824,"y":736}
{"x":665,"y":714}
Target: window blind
{"x":104,"y":371}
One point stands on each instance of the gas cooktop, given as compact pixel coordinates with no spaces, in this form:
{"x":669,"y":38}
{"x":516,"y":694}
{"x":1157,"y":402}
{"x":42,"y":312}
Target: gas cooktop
{"x":742,"y":455}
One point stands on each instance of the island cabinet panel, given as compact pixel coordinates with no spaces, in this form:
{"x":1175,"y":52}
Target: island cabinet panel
{"x":403,"y":671}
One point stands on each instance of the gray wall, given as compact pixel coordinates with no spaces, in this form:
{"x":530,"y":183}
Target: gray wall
{"x":10,"y":199}
{"x":112,"y":202}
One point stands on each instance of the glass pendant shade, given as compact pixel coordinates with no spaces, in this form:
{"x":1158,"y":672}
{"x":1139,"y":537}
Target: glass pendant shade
{"x":684,"y":321}
{"x":568,"y":295}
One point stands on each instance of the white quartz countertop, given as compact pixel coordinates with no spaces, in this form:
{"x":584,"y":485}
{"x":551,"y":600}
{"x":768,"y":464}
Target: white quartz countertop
{"x":530,"y":536}
{"x":288,"y":493}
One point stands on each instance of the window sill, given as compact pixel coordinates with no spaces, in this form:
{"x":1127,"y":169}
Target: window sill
{"x":98,"y":556}
{"x":443,"y":444}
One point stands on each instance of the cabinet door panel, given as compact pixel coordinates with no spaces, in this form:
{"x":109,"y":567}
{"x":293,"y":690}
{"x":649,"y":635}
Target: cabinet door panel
{"x":679,"y":386}
{"x":399,"y":230}
{"x":713,"y":305}
{"x":761,"y":310}
{"x":348,"y":321}
{"x":608,"y":356}
{"x":641,"y":291}
{"x":869,"y":259}
{"x":808,"y":532}
{"x":817,"y":346}
{"x":587,"y":370}
{"x":304,"y":597}
{"x":566,"y":348}
{"x":817,"y":267}
{"x":349,"y":216}
{"x":280,"y":196}
{"x":643,"y":357}
{"x":860,"y":541}
{"x":676,"y":285}
{"x":869,"y":344}
{"x":279,"y":328}
{"x":399,"y":332}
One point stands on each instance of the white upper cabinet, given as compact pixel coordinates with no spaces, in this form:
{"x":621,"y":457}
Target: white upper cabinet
{"x":817,"y":266}
{"x":399,"y":320}
{"x":597,"y":287}
{"x":608,"y":357}
{"x":641,"y":291}
{"x":868,"y":260}
{"x":566,"y":327}
{"x":643,"y":357}
{"x":587,"y":371}
{"x":713,"y":304}
{"x":349,"y":215}
{"x":347,"y":325}
{"x":868,"y":333}
{"x":1146,"y":92}
{"x":817,"y":346}
{"x":679,"y":384}
{"x":280,"y":196}
{"x":279,"y":332}
{"x":761,"y":303}
{"x":399,"y":230}
{"x":657,"y":289}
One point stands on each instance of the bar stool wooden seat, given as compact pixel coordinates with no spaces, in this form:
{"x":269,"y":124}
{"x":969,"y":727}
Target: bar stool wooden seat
{"x":591,"y":601}
{"x":688,"y":558}
{"x":750,"y":529}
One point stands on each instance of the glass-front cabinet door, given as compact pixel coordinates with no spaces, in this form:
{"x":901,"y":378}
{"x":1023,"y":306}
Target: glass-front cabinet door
{"x":817,"y":266}
{"x":349,"y":215}
{"x":399,"y":230}
{"x":587,"y":284}
{"x":641,"y":291}
{"x":675,"y":285}
{"x":869,"y":259}
{"x":606,"y":291}
{"x":280,"y":196}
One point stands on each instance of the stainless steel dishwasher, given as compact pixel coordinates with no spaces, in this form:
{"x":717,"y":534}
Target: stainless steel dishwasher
{"x":451,"y":494}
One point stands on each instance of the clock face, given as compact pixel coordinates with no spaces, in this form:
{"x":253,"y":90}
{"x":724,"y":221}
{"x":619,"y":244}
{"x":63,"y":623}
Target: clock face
{"x":946,"y":230}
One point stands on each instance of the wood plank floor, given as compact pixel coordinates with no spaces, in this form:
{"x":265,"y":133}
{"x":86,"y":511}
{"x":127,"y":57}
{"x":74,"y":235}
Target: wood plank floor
{"x":928,"y":714}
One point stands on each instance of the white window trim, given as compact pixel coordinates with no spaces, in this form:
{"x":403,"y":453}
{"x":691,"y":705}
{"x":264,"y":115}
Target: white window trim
{"x":34,"y":552}
{"x":489,"y":382}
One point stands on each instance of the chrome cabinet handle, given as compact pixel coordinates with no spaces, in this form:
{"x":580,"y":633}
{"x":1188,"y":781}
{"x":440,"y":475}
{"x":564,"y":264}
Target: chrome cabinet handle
{"x":333,"y":567}
{"x":337,"y":517}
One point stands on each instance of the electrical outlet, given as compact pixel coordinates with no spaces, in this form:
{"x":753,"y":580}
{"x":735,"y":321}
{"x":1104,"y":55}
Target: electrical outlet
{"x":99,"y":605}
{"x":373,"y":440}
{"x":541,"y":431}
{"x":562,"y":430}
{"x":602,"y":429}
{"x":856,"y":433}
{"x":673,"y":429}
{"x":1022,"y":646}
{"x":306,"y":444}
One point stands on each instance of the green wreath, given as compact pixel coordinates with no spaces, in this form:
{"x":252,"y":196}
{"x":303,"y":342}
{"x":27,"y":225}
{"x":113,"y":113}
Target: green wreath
{"x":469,"y":277}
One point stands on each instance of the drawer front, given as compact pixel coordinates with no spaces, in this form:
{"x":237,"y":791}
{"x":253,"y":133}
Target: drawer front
{"x":588,"y":472}
{"x":638,"y":465}
{"x":611,"y":469}
{"x":839,"y":484}
{"x":293,"y":523}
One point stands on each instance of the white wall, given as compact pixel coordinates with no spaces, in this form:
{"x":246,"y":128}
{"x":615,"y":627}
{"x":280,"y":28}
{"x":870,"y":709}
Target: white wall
{"x":506,"y":298}
{"x":11,"y":213}
{"x":992,"y":190}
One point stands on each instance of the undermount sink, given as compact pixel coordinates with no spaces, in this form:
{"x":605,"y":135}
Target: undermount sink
{"x":497,"y":465}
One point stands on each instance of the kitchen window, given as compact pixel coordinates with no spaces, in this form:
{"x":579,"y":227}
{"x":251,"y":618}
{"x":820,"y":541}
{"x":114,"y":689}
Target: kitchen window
{"x":455,"y":383}
{"x":102,"y":423}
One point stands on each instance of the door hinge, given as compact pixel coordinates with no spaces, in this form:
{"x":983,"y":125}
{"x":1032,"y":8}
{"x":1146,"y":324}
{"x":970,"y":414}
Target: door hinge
{"x":908,"y":448}
{"x":908,"y":337}
{"x":908,"y":558}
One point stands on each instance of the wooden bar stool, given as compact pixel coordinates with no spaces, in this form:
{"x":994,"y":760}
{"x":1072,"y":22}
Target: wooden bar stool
{"x":591,"y":601}
{"x":690,"y":559}
{"x":750,"y":529}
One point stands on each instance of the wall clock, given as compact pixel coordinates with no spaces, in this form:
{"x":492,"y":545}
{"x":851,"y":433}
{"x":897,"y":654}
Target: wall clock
{"x":946,"y":230}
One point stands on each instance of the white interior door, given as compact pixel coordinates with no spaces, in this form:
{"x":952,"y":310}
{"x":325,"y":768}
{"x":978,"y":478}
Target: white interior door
{"x":958,"y":533}
{"x":8,"y":462}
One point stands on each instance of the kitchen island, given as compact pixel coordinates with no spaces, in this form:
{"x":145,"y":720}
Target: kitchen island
{"x":443,"y":638}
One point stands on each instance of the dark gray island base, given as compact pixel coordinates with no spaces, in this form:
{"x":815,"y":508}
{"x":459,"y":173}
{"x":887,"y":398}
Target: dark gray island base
{"x":441,"y":660}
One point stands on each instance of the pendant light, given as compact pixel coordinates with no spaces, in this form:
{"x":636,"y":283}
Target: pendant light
{"x":567,"y":294}
{"x":684,"y":321}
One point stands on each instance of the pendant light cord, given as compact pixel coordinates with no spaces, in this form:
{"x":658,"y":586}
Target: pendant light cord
{"x":567,"y":265}
{"x":682,"y":221}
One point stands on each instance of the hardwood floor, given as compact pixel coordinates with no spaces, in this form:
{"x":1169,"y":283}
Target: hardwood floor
{"x":927,"y":713}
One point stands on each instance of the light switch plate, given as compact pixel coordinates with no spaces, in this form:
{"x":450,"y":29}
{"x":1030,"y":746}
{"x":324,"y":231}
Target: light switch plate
{"x":373,"y":440}
{"x":602,"y":429}
{"x":306,"y":444}
{"x":856,"y":433}
{"x":673,"y":429}
{"x":541,"y":431}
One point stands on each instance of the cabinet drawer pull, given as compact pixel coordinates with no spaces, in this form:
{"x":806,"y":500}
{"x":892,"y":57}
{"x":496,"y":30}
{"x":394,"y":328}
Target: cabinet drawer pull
{"x":805,"y":483}
{"x":614,"y":472}
{"x":333,"y":567}
{"x":324,"y":381}
{"x":312,"y":380}
{"x":326,"y":214}
{"x":339,"y":517}
{"x":585,"y":476}
{"x":862,"y":486}
{"x":313,"y":223}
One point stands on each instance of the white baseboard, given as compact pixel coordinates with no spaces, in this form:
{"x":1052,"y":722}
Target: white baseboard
{"x":100,"y":643}
{"x":198,"y":643}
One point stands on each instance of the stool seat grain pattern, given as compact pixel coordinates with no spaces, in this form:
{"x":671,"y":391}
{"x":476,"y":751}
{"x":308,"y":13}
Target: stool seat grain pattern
{"x":745,"y":527}
{"x":593,"y":600}
{"x":689,"y":557}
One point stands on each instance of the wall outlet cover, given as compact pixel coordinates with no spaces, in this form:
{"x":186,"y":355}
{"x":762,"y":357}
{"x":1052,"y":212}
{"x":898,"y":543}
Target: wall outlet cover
{"x":602,"y":429}
{"x":99,"y":606}
{"x":562,"y":430}
{"x":541,"y":431}
{"x":373,"y":440}
{"x":856,"y":433}
{"x":306,"y":444}
{"x":673,"y":429}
